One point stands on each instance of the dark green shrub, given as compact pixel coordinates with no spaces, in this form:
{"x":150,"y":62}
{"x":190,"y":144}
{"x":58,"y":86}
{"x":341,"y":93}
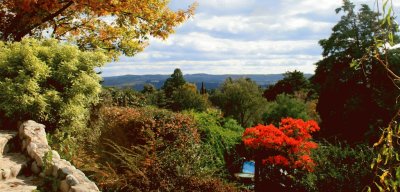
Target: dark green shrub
{"x":340,"y":167}
{"x":292,"y":82}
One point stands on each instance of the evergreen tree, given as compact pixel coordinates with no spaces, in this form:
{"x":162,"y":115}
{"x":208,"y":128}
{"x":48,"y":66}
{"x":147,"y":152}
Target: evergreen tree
{"x":203,"y":89}
{"x":174,"y":82}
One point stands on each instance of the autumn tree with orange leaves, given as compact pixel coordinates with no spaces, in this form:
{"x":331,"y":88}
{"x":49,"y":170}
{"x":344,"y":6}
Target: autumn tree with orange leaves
{"x":113,"y":25}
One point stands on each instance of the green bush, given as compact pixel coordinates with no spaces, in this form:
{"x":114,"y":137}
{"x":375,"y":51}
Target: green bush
{"x":49,"y":82}
{"x":340,"y":167}
{"x":289,"y":106}
{"x":218,"y":134}
{"x":186,"y":97}
{"x":122,"y":97}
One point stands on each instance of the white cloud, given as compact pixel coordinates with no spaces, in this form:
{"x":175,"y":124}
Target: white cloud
{"x":205,"y":43}
{"x":239,"y":36}
{"x":267,"y":65}
{"x":226,"y":4}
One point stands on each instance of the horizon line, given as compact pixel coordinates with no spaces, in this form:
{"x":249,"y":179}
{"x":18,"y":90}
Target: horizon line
{"x":204,"y":74}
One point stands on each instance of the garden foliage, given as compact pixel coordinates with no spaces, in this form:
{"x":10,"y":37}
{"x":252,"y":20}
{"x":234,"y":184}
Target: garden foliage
{"x":240,"y":99}
{"x":289,"y":106}
{"x":288,"y":147}
{"x":220,"y":135}
{"x":339,"y":167}
{"x":49,"y":82}
{"x":156,"y":150}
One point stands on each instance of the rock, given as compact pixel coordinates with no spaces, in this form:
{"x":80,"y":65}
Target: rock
{"x":20,"y":184}
{"x":6,"y":174}
{"x":71,"y":180}
{"x":12,"y":164}
{"x":35,"y":168}
{"x":55,"y":156}
{"x":64,"y":168}
{"x":34,"y":141}
{"x":86,"y":187}
{"x":5,"y":137}
{"x":64,"y":187}
{"x":15,"y":170}
{"x":38,"y":155}
{"x":33,"y":132}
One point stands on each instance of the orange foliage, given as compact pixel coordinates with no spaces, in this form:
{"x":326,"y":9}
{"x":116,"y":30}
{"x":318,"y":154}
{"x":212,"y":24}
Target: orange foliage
{"x":134,"y":126}
{"x":115,"y":25}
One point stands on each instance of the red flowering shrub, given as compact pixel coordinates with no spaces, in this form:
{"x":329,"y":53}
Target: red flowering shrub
{"x":289,"y":145}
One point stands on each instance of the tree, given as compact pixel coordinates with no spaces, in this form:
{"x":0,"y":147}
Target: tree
{"x":174,"y":82}
{"x":287,"y":147}
{"x":203,"y":89}
{"x":349,"y":102}
{"x":187,"y":97}
{"x":240,"y":99}
{"x":149,"y":88}
{"x":116,"y":26}
{"x":288,"y":106}
{"x":123,"y":97}
{"x":386,"y":162}
{"x":291,"y":82}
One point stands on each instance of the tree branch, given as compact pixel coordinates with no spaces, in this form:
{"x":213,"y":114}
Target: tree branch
{"x":21,"y":34}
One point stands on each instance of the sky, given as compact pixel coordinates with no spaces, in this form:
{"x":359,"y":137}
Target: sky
{"x":239,"y":37}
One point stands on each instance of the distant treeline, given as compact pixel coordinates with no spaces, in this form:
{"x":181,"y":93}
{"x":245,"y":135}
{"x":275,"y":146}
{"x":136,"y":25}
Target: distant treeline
{"x":210,"y":81}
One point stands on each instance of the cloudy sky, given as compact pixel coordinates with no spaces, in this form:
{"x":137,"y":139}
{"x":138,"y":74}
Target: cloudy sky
{"x":239,"y":37}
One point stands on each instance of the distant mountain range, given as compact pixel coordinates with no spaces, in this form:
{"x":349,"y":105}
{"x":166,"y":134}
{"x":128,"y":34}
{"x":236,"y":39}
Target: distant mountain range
{"x":210,"y":81}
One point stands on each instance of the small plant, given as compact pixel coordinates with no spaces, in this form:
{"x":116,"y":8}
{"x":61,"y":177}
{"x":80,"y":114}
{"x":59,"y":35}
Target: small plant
{"x":50,"y":183}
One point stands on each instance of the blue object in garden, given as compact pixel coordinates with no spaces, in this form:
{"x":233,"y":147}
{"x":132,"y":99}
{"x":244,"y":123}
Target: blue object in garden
{"x":248,"y":167}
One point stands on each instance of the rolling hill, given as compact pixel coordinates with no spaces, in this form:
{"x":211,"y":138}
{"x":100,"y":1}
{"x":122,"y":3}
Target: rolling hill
{"x":210,"y":81}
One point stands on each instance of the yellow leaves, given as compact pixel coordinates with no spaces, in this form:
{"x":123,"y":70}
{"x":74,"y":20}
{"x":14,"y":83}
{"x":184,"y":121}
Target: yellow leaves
{"x":383,"y":176}
{"x":380,"y":141}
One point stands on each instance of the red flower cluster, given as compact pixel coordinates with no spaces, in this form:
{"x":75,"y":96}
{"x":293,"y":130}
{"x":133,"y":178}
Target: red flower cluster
{"x":291,"y":141}
{"x":277,"y":160}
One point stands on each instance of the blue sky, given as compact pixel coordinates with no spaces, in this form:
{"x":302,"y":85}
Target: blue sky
{"x":239,"y":37}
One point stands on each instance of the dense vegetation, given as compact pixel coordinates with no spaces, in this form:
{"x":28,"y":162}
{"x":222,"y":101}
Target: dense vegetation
{"x":177,"y":138}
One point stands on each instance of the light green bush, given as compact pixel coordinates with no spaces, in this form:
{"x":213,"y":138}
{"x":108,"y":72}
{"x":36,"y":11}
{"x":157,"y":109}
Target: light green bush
{"x":218,"y":134}
{"x":49,"y":82}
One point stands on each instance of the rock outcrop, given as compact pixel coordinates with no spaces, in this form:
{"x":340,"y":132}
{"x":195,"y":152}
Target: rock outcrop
{"x":31,"y":159}
{"x":47,"y":162}
{"x":12,"y":166}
